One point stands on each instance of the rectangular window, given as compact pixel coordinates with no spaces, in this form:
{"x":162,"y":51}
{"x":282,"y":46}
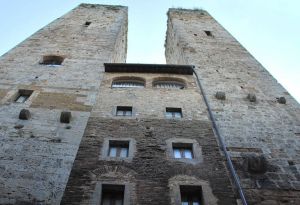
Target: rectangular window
{"x":118,"y":149}
{"x":124,"y":111}
{"x":112,"y":194}
{"x":191,"y":195}
{"x":183,"y":151}
{"x":23,"y":95}
{"x":173,"y":112}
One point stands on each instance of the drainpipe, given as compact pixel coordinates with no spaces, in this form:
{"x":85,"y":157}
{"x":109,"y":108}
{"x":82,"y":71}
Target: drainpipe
{"x":221,"y":141}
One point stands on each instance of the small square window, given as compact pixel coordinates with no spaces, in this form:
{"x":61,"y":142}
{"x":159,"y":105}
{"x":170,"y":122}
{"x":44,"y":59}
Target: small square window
{"x":112,"y":194}
{"x":191,"y":195}
{"x":183,"y":151}
{"x":124,"y":111}
{"x":173,"y":112}
{"x":23,"y":95}
{"x":118,"y":149}
{"x":208,"y":33}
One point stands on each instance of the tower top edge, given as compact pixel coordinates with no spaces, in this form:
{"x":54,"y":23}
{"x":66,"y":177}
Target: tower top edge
{"x":191,"y":11}
{"x":113,"y":7}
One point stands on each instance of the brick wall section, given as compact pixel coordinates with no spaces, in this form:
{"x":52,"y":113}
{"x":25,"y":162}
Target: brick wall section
{"x":264,"y":126}
{"x":36,"y":155}
{"x":151,"y":168}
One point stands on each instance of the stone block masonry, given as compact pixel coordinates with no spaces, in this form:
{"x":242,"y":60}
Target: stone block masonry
{"x":152,"y":172}
{"x":36,"y":155}
{"x":263,"y":127}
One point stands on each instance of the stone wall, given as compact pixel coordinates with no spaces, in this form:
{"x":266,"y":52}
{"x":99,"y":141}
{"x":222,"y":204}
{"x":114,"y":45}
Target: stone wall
{"x":152,"y":173}
{"x":263,"y":128}
{"x":36,"y":155}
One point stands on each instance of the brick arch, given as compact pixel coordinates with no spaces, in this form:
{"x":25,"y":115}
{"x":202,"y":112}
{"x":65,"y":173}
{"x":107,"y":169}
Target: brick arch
{"x":129,"y":79}
{"x":169,"y":79}
{"x":113,"y":172}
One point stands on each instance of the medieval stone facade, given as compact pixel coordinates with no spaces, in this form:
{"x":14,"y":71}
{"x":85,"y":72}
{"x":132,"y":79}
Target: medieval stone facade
{"x":80,"y":126}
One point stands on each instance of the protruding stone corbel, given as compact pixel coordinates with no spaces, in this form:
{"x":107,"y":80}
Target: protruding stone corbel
{"x":24,"y":114}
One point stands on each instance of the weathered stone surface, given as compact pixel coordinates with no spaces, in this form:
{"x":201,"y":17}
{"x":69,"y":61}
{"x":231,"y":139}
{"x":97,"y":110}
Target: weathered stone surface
{"x":151,"y":170}
{"x":223,"y":64}
{"x":36,"y":155}
{"x":255,"y":163}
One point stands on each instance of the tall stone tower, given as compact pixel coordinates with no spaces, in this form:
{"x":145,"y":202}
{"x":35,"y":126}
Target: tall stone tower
{"x":80,"y":126}
{"x":57,"y":69}
{"x":257,"y":118}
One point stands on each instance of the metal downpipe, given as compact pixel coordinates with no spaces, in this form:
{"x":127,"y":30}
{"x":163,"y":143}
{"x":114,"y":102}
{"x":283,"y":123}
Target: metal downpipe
{"x":223,"y":145}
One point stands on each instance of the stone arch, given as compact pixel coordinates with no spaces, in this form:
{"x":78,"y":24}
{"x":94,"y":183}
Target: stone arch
{"x":138,"y":81}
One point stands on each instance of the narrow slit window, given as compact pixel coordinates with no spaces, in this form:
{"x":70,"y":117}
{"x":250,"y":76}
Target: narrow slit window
{"x":173,"y":112}
{"x":23,"y":95}
{"x":124,"y":111}
{"x":191,"y":195}
{"x":118,"y":149}
{"x":208,"y":33}
{"x":112,"y":194}
{"x":183,"y":151}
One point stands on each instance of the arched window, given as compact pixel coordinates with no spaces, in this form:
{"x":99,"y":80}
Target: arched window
{"x":169,"y":83}
{"x":128,"y":83}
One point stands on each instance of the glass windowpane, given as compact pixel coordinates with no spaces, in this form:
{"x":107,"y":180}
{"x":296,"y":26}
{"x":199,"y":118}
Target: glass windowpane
{"x":177,"y":153}
{"x":119,"y":202}
{"x":21,"y":99}
{"x":177,"y":114}
{"x":112,"y":152}
{"x":168,"y":114}
{"x":124,"y":152}
{"x":188,"y":154}
{"x":128,"y":113}
{"x":185,"y":203}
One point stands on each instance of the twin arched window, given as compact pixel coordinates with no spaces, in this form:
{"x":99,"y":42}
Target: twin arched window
{"x":133,"y":82}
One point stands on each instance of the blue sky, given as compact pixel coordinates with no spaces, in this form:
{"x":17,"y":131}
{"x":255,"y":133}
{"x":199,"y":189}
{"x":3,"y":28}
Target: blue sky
{"x":269,"y":29}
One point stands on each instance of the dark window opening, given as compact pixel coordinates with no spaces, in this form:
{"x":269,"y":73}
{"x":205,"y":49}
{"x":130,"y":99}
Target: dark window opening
{"x":23,"y":95}
{"x":208,"y":33}
{"x":191,"y":195}
{"x":124,"y":111}
{"x":183,"y":150}
{"x":52,"y":60}
{"x":173,"y":112}
{"x":87,"y":23}
{"x":112,"y":194}
{"x":118,"y":148}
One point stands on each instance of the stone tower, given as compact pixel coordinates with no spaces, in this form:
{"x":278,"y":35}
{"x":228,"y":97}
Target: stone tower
{"x":57,"y":69}
{"x":80,"y":126}
{"x":257,"y":118}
